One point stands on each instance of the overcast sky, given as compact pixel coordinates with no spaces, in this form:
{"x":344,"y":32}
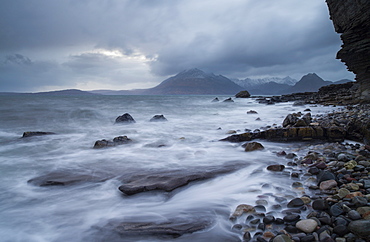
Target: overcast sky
{"x":128,"y":44}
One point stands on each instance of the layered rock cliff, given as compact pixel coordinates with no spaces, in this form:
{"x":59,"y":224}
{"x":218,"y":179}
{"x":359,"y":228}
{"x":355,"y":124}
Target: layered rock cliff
{"x":352,"y":20}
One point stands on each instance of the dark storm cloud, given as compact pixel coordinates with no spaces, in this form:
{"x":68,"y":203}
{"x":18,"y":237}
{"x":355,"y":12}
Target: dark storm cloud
{"x":237,"y":38}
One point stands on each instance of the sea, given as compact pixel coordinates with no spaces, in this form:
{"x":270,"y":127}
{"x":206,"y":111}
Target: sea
{"x":188,"y":140}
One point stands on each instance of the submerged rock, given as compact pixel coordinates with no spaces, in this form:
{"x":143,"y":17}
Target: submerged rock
{"x":125,"y":118}
{"x":230,"y":100}
{"x":69,"y":177}
{"x":120,"y":140}
{"x":158,"y":118}
{"x":35,"y":133}
{"x":161,"y":228}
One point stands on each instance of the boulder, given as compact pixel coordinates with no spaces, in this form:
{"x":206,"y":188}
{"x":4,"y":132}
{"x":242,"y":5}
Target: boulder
{"x":215,"y":100}
{"x":158,"y":118}
{"x":252,"y":112}
{"x":125,"y":118}
{"x":252,"y":146}
{"x":290,"y":119}
{"x":243,"y":94}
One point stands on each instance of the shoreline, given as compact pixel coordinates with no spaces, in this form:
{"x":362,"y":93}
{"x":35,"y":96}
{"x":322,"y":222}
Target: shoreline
{"x":338,"y":205}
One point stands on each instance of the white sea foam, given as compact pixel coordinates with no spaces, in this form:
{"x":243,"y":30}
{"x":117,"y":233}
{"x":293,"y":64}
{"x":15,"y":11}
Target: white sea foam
{"x":189,"y":139}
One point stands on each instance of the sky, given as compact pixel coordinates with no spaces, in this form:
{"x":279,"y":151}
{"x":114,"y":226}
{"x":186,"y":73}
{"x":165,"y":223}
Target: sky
{"x":131,"y":44}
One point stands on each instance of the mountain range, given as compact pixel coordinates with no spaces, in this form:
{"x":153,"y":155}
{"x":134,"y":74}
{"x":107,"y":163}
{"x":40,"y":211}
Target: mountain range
{"x":197,"y":82}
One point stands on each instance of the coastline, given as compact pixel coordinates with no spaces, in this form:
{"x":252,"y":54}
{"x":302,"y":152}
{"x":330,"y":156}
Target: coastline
{"x":335,"y":205}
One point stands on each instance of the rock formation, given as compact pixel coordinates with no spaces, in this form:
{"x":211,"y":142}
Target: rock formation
{"x":352,"y":20}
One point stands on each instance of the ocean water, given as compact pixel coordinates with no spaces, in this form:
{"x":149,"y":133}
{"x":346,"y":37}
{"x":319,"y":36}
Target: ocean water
{"x":189,"y":140}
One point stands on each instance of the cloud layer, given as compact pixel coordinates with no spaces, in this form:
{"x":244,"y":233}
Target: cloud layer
{"x":122,"y":44}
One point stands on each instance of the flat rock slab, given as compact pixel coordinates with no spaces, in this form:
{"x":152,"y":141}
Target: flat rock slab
{"x":168,"y":228}
{"x":65,"y":177}
{"x":169,"y":180}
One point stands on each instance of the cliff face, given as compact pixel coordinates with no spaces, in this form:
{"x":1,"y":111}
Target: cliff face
{"x":352,"y":20}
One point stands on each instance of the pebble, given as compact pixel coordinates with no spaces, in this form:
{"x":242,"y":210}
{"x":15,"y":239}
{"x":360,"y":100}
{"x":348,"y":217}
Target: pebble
{"x":307,"y":225}
{"x":296,"y":202}
{"x":282,"y":238}
{"x":327,"y":185}
{"x":360,"y":228}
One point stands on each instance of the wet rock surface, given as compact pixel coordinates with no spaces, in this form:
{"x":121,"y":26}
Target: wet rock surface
{"x":35,"y":133}
{"x":125,"y":119}
{"x":351,"y":122}
{"x":160,"y":228}
{"x":120,"y":140}
{"x":158,"y":118}
{"x":70,"y":177}
{"x":169,"y":180}
{"x":243,"y":94}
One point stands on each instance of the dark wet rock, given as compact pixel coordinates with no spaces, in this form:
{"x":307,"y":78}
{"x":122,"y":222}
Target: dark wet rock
{"x":301,"y":123}
{"x":290,"y":119}
{"x":215,"y":100}
{"x":252,"y":146}
{"x":336,"y":210}
{"x":69,"y":177}
{"x":325,"y":176}
{"x":281,"y":153}
{"x":158,"y":118}
{"x":308,"y":238}
{"x":260,"y":208}
{"x":359,"y":201}
{"x":290,"y":156}
{"x":125,"y":118}
{"x":247,"y":237}
{"x":296,"y":202}
{"x":268,"y":219}
{"x":341,"y":230}
{"x":276,"y":167}
{"x":291,"y":217}
{"x":35,"y":133}
{"x":282,"y":238}
{"x":354,"y":215}
{"x":252,"y":112}
{"x":360,"y":228}
{"x":161,"y":228}
{"x":243,"y":94}
{"x":229,"y":100}
{"x":320,"y":204}
{"x":120,"y":140}
{"x":169,"y":180}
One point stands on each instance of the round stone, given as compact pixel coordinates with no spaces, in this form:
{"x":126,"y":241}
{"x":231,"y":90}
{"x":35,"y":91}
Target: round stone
{"x":282,"y":238}
{"x":327,"y":185}
{"x":360,"y":228}
{"x":307,"y":225}
{"x":343,"y":192}
{"x":296,"y":202}
{"x":319,"y":204}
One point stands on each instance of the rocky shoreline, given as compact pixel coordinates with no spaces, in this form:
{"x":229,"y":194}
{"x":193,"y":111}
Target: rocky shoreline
{"x":331,"y":180}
